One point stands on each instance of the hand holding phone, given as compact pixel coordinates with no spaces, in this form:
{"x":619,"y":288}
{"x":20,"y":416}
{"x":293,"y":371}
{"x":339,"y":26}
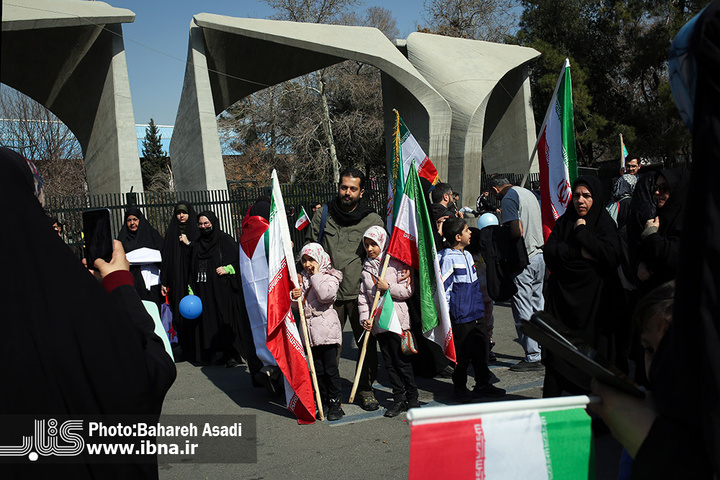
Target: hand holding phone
{"x":97,"y":235}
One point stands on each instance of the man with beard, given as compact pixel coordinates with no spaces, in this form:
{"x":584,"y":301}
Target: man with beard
{"x":339,"y":227}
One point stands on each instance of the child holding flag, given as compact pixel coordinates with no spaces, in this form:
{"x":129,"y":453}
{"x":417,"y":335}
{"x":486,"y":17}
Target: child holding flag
{"x":391,"y":317}
{"x":320,"y":282}
{"x":462,"y":290}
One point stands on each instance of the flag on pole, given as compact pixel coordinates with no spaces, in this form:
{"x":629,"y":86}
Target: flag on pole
{"x":623,"y":155}
{"x":254,"y":277}
{"x":405,"y":151}
{"x":412,"y":242}
{"x":556,"y":152}
{"x":283,"y":338}
{"x":529,"y":439}
{"x":303,"y":220}
{"x":386,"y":316}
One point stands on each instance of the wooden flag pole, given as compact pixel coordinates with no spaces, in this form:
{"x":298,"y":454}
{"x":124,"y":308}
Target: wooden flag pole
{"x":311,"y":363}
{"x":367,"y":333}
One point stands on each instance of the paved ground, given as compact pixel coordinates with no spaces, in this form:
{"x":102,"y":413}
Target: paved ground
{"x":363,"y":445}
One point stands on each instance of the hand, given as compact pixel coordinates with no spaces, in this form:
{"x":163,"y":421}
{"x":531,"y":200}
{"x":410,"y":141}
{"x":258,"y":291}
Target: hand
{"x":366,"y":325}
{"x":299,"y":275}
{"x":406,"y":274}
{"x":460,"y":214}
{"x":653,"y":222}
{"x":220,"y":271}
{"x":296,"y":292}
{"x":314,"y":269}
{"x":440,"y":222}
{"x":183,"y":239}
{"x":580,"y":221}
{"x":118,"y":262}
{"x":629,"y":418}
{"x":163,"y":290}
{"x":382,"y":284}
{"x":643,"y":273}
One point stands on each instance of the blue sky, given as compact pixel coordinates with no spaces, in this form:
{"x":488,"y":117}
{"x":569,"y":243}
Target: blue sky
{"x":156,"y":45}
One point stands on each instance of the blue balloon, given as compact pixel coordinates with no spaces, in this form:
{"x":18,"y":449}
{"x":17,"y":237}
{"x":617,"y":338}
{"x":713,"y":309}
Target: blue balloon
{"x":191,"y":307}
{"x":487,"y":219}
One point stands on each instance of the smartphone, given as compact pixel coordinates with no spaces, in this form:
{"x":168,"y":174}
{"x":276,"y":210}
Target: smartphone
{"x":97,"y":236}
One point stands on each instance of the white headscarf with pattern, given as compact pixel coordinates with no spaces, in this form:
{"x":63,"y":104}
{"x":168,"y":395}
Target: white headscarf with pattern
{"x":379,"y":236}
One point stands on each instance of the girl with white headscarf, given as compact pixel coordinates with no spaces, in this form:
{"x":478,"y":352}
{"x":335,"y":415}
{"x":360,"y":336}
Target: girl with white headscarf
{"x":319,"y":286}
{"x":398,"y":283}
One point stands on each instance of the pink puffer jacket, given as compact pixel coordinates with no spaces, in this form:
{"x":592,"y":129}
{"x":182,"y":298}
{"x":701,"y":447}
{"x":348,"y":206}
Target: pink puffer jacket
{"x":400,"y":293}
{"x":320,"y":291}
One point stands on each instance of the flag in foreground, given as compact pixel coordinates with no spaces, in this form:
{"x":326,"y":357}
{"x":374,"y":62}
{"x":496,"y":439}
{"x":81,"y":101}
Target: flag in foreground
{"x":556,"y":153}
{"x":412,"y":242}
{"x":405,"y":151}
{"x":303,"y":220}
{"x":531,"y":441}
{"x":283,"y":338}
{"x":386,"y":316}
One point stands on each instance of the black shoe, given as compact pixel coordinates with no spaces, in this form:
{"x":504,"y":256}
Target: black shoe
{"x":413,"y":403}
{"x":232,"y":363}
{"x":492,"y":358}
{"x":335,"y":411}
{"x":462,"y":395}
{"x":447,"y":372}
{"x":396,"y":409}
{"x":487,"y":390}
{"x":525,"y":366}
{"x":369,"y":404}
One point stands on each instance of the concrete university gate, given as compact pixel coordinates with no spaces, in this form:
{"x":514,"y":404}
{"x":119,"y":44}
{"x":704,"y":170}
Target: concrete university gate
{"x":70,"y":57}
{"x":466,"y":101}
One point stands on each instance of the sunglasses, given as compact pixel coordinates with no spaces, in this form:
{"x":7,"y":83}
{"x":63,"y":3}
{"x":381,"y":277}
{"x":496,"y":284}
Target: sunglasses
{"x":660,"y":188}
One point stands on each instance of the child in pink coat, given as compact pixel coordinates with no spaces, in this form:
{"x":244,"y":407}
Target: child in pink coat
{"x":398,"y":280}
{"x":320,"y":282}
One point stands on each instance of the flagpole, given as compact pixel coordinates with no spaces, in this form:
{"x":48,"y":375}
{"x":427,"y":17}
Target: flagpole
{"x":547,"y":115}
{"x":367,"y":332}
{"x":311,"y":363}
{"x":622,"y":155}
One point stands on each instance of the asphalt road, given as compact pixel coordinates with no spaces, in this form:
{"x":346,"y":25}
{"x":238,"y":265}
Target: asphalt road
{"x":363,"y":445}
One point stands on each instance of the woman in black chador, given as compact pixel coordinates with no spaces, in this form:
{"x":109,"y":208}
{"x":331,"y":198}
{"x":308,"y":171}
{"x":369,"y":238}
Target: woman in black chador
{"x":582,"y":254}
{"x":137,"y":233}
{"x":214,"y":268}
{"x":181,"y":233}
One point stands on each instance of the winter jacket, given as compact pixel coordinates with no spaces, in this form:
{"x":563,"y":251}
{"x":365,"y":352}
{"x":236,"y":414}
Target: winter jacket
{"x":345,"y":247}
{"x":319,"y":292}
{"x":400,"y":293}
{"x":462,"y":288}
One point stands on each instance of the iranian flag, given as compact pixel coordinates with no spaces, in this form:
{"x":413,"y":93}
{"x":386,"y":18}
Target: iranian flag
{"x":405,"y":151}
{"x":303,"y":220}
{"x":283,"y":338}
{"x":412,"y":242}
{"x":539,"y":439}
{"x":385,"y":315}
{"x":556,"y":153}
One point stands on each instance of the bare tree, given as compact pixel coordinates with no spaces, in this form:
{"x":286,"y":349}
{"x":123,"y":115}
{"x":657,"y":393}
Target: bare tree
{"x":489,"y":20}
{"x":33,"y":131}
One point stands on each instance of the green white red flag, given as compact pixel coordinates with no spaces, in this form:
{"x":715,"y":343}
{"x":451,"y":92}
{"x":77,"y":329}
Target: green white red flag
{"x":386,"y":316}
{"x":405,"y":151}
{"x":303,"y":220}
{"x":556,"y":153}
{"x":539,"y":439}
{"x":412,"y":243}
{"x":283,"y":338}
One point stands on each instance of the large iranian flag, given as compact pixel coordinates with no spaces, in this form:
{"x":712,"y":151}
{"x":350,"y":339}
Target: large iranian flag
{"x":556,"y":153}
{"x":412,"y":243}
{"x":405,"y":151}
{"x":283,"y":338}
{"x":539,"y":439}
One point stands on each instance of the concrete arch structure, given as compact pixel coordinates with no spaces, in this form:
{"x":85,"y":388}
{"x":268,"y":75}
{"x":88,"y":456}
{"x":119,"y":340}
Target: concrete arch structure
{"x":69,"y":56}
{"x":252,"y":54}
{"x":488,"y":89}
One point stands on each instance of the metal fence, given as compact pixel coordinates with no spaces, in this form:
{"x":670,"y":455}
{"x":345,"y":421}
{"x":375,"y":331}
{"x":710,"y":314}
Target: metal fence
{"x":229,"y":205}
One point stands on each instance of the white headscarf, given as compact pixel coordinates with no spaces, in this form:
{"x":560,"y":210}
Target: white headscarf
{"x":379,"y":236}
{"x":317,"y":253}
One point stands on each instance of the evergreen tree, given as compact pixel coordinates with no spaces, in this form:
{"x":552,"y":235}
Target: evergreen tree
{"x":154,"y":163}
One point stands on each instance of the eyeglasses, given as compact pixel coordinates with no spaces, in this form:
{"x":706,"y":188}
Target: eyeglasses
{"x":660,"y":188}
